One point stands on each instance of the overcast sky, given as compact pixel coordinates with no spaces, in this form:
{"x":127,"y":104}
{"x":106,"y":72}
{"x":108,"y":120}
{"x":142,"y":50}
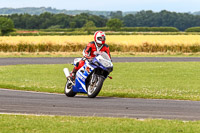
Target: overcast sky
{"x":108,"y":5}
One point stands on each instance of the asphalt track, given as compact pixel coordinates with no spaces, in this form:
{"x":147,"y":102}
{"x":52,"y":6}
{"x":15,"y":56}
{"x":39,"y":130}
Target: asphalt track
{"x":12,"y":101}
{"x":65,"y":60}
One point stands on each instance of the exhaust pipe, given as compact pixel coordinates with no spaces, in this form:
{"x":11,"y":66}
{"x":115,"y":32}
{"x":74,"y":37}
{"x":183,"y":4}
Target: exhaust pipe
{"x":66,"y":72}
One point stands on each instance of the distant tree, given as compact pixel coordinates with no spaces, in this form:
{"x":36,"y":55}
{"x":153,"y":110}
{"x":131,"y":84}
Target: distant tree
{"x":6,"y":25}
{"x":89,"y":26}
{"x":99,"y":21}
{"x":130,"y":20}
{"x":72,"y":24}
{"x":81,"y":19}
{"x":114,"y":24}
{"x":61,"y":19}
{"x":117,"y":14}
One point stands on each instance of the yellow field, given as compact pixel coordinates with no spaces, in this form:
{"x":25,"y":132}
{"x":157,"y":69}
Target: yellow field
{"x":124,"y":43}
{"x":111,"y":39}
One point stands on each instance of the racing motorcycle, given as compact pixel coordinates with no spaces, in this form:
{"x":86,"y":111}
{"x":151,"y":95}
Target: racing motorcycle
{"x":89,"y":78}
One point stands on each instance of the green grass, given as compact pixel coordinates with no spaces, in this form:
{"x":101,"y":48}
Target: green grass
{"x":169,"y":80}
{"x":67,"y":124}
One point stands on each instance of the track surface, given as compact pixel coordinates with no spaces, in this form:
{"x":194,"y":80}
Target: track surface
{"x":12,"y":101}
{"x":65,"y":60}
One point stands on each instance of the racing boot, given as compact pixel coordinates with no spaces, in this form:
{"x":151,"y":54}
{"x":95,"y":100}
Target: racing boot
{"x":73,"y":74}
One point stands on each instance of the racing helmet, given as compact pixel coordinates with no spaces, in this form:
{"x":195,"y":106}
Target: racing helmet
{"x":99,"y":37}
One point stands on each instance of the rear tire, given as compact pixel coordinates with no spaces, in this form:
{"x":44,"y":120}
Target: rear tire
{"x":94,"y":91}
{"x":68,"y":89}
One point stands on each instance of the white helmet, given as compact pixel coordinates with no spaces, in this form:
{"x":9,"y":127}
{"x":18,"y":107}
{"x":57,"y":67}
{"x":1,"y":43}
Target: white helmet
{"x":99,"y":37}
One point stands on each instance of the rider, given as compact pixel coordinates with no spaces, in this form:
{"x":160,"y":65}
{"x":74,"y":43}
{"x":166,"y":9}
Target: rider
{"x":97,"y":45}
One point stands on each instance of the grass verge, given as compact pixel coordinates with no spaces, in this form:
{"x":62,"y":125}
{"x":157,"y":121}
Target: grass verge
{"x":169,"y":80}
{"x":52,"y":124}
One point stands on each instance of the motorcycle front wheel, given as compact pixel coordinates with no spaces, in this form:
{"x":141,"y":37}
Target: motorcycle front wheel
{"x":94,"y":88}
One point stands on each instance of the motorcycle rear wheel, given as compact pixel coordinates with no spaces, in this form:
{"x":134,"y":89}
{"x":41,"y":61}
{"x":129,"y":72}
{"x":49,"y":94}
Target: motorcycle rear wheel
{"x":68,"y":89}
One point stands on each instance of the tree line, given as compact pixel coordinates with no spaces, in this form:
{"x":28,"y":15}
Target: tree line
{"x":48,"y":20}
{"x":163,"y":18}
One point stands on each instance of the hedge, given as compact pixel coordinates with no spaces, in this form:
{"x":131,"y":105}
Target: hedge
{"x":128,"y":29}
{"x":193,"y":29}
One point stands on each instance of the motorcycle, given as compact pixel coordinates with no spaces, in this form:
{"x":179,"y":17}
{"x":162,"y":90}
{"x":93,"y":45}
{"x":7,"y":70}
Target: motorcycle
{"x":89,"y":78}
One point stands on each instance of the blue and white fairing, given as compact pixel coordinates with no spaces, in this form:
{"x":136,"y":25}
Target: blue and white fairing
{"x":81,"y":76}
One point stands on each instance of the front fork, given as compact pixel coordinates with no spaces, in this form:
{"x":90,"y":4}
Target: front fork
{"x":94,"y":78}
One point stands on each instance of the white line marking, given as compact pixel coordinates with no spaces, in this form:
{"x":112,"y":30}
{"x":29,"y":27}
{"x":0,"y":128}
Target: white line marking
{"x":31,"y":92}
{"x":25,"y":114}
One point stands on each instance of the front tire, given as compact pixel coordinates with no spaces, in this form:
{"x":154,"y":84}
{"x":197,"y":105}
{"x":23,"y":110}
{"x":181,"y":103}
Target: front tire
{"x":94,"y":89}
{"x":68,"y":89}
